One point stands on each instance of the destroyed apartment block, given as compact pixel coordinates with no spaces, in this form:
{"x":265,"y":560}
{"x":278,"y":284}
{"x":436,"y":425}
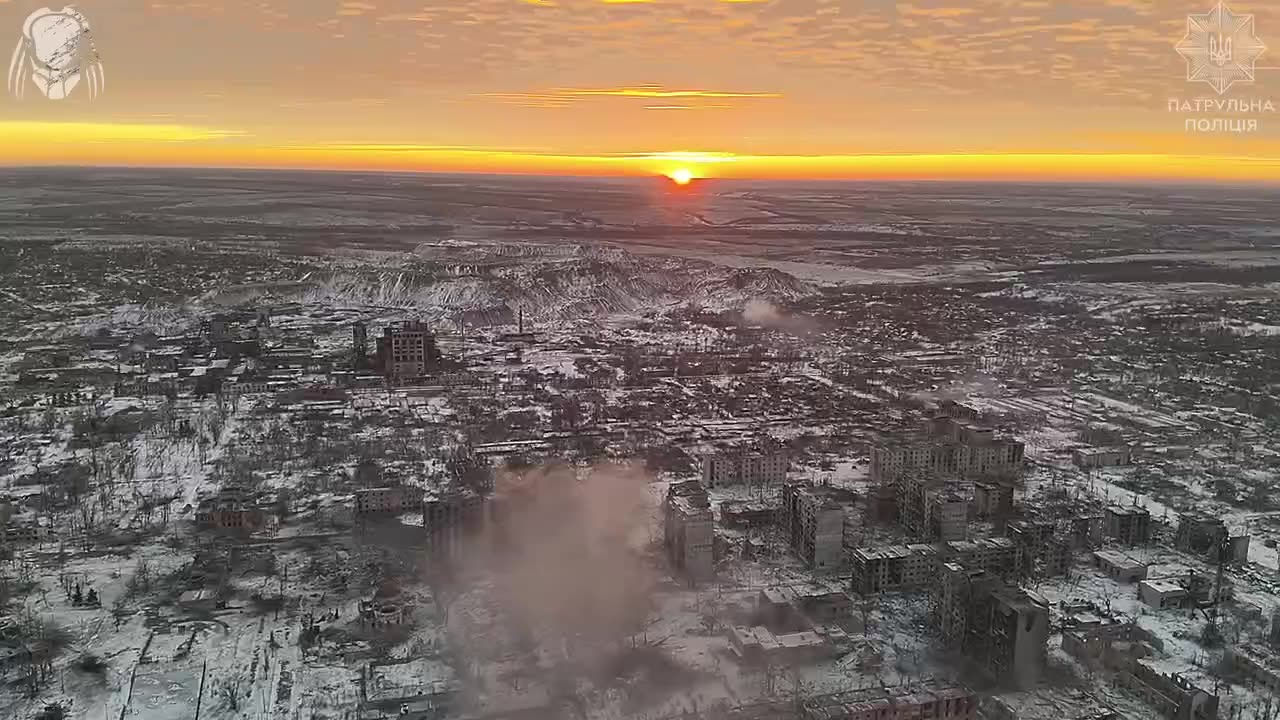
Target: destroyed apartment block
{"x":793,"y":627}
{"x":993,"y":499}
{"x":749,"y":467}
{"x":419,"y":689}
{"x":1100,"y":457}
{"x":450,"y":520}
{"x":1170,"y":694}
{"x":689,"y":531}
{"x":1259,"y":664}
{"x":956,"y":448}
{"x":922,"y":700}
{"x":814,"y":522}
{"x":406,"y":352}
{"x":1128,"y":524}
{"x":1003,"y":628}
{"x":232,"y":508}
{"x":390,"y":500}
{"x":901,"y":568}
{"x":749,"y":513}
{"x":1042,"y":552}
{"x":925,"y":701}
{"x":930,"y":509}
{"x":1125,"y":649}
{"x":893,"y":568}
{"x":1209,"y":537}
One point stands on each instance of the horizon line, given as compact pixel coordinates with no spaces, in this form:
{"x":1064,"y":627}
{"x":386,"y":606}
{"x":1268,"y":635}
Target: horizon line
{"x":1203,"y":182}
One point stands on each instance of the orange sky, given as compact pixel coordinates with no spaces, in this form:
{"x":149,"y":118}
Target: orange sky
{"x":984,"y":89}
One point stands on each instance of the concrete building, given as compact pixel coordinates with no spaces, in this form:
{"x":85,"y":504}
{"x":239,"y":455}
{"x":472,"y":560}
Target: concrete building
{"x":1171,"y":694}
{"x":915,"y":567}
{"x":1103,"y":641}
{"x":893,"y":568}
{"x":952,"y":597}
{"x":1208,"y":536}
{"x":793,"y":625}
{"x":1200,"y":533}
{"x":958,"y":411}
{"x":1019,"y":632}
{"x":749,"y":513}
{"x":1123,"y":648}
{"x":760,"y":645}
{"x":407,"y":351}
{"x":1004,"y":629}
{"x":1128,"y":524}
{"x":1040,"y":551}
{"x":975,"y":454}
{"x":1162,"y":594}
{"x":931,"y":510}
{"x":814,"y":524}
{"x":891,"y":459}
{"x":1259,"y":664}
{"x":998,"y":556}
{"x":359,"y":346}
{"x":381,"y":500}
{"x":231,"y":509}
{"x":1102,"y":434}
{"x":985,"y":458}
{"x":1097,"y":457}
{"x":1119,"y":567}
{"x":992,"y":499}
{"x":914,"y":702}
{"x":750,"y":468}
{"x":1086,"y":530}
{"x":449,"y":521}
{"x":948,"y":516}
{"x":688,"y":531}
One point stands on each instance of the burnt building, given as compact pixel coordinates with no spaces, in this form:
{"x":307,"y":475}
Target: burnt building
{"x":814,"y":524}
{"x":688,"y":530}
{"x":1128,"y":524}
{"x":407,"y":351}
{"x":1003,"y":628}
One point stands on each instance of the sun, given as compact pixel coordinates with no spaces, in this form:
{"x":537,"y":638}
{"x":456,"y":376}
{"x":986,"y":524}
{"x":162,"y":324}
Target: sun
{"x":681,"y":176}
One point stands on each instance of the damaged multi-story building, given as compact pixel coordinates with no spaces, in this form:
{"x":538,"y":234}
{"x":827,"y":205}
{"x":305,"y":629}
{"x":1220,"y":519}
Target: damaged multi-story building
{"x":915,"y":567}
{"x":1128,"y":524}
{"x":750,"y":467}
{"x":914,"y":479}
{"x":407,"y":351}
{"x":929,"y":509}
{"x":924,"y":701}
{"x":450,"y":519}
{"x":927,"y":700}
{"x":689,"y":530}
{"x":1042,"y":549}
{"x":1099,"y":640}
{"x":1209,"y":536}
{"x":814,"y":523}
{"x":233,"y":508}
{"x":1003,"y":628}
{"x":793,"y":626}
{"x":893,"y":568}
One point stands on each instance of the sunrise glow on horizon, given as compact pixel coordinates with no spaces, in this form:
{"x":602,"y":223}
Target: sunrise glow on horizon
{"x":991,"y":90}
